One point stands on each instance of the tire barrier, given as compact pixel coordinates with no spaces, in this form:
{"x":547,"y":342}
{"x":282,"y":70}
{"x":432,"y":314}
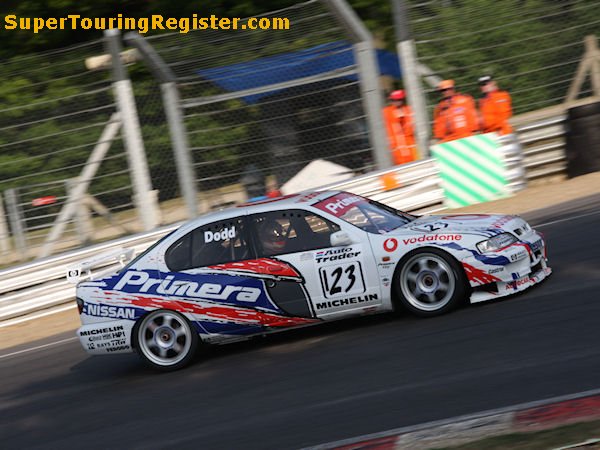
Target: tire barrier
{"x":583,"y":139}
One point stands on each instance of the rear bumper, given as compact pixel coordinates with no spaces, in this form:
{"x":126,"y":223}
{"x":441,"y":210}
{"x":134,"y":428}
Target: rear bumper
{"x":106,"y":337}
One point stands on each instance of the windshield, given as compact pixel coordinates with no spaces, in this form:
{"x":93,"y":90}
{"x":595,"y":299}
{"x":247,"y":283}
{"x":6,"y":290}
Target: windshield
{"x":368,"y":215}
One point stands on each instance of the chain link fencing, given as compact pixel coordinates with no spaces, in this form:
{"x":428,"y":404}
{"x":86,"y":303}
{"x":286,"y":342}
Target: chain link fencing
{"x":259,"y":105}
{"x":53,"y":115}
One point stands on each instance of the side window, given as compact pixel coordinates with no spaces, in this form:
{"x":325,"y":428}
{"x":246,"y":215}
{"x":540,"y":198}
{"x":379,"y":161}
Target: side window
{"x":215,"y":243}
{"x":291,"y":231}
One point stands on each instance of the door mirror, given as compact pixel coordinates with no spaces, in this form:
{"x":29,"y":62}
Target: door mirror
{"x":340,"y":239}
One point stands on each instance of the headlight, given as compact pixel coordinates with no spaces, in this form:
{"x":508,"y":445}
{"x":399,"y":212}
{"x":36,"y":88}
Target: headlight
{"x":496,"y":243}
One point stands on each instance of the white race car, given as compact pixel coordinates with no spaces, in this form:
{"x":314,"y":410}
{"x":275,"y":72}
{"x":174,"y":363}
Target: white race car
{"x":295,"y":261}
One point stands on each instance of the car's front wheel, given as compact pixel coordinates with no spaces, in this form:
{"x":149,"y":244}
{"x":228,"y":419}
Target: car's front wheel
{"x":165,"y":340}
{"x":430,"y":282}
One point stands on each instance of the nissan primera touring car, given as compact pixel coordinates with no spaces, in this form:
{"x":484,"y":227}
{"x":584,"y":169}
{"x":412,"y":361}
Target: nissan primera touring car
{"x":296,"y":261}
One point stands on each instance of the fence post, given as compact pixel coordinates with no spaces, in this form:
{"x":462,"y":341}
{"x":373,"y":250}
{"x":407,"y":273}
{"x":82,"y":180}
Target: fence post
{"x":364,"y":52}
{"x":177,"y":130}
{"x":144,"y":199}
{"x":4,"y":235}
{"x":83,"y":223}
{"x":407,"y":53}
{"x":76,"y":195}
{"x":16,"y":222}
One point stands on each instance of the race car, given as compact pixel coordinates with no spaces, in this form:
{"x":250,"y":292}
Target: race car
{"x":295,"y":261}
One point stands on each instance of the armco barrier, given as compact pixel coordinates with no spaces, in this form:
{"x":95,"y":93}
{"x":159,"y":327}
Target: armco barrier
{"x":40,"y":285}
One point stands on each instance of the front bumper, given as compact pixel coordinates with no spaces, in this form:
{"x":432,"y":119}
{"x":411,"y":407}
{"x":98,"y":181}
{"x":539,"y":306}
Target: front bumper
{"x":106,"y":337}
{"x":525,"y":264}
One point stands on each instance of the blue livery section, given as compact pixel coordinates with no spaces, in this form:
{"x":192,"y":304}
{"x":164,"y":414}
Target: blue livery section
{"x":220,"y":288}
{"x":491,"y":260}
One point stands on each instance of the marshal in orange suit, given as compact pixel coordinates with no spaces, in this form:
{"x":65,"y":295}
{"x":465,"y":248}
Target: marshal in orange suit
{"x":495,"y":107}
{"x":398,"y":120}
{"x":455,"y":116}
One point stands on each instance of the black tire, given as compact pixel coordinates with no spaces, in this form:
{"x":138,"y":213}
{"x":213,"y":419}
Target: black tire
{"x":165,"y":340}
{"x":429,"y":282}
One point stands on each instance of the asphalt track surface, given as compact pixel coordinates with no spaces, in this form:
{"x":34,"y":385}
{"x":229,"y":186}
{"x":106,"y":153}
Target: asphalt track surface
{"x":331,"y":382}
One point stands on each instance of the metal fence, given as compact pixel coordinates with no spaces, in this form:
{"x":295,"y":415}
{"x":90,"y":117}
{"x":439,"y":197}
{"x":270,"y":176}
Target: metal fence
{"x":224,"y":116}
{"x":253,"y":107}
{"x":54,"y":112}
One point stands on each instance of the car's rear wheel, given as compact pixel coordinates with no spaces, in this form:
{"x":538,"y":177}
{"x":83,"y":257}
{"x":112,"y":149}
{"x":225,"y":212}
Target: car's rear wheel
{"x":430,"y":282}
{"x":165,"y":340}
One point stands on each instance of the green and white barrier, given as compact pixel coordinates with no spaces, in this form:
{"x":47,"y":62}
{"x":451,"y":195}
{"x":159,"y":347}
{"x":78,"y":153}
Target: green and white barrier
{"x":472,"y":170}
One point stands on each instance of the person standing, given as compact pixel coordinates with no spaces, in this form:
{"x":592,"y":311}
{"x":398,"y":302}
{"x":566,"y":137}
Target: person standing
{"x":455,"y":116}
{"x":495,"y":107}
{"x":398,"y":118}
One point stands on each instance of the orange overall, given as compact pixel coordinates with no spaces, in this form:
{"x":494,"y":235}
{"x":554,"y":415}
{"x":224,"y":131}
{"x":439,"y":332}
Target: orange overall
{"x":400,"y":130}
{"x":495,"y":109}
{"x":455,"y":118}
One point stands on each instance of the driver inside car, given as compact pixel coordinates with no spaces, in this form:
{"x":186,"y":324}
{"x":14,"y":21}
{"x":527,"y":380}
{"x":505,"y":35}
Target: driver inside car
{"x":272,"y":237}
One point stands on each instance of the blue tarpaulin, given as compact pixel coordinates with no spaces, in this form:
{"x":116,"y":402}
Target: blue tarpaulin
{"x":289,"y":66}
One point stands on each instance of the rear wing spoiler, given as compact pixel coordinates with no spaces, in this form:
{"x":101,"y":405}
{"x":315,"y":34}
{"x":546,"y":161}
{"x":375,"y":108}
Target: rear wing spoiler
{"x":83,"y":270}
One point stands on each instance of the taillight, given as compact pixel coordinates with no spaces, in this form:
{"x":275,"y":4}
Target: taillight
{"x":79,"y":304}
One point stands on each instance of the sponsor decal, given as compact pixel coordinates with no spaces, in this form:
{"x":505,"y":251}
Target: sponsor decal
{"x":347,"y":301}
{"x":500,"y":222}
{"x":432,"y":237}
{"x":335,"y":254}
{"x":386,"y":265}
{"x":338,"y":204}
{"x":515,"y":285}
{"x":496,"y":270}
{"x":222,"y":235}
{"x":108,"y":345}
{"x":114,"y":312}
{"x":431,"y":227}
{"x":466,"y":217}
{"x":118,"y":348}
{"x":343,"y":279}
{"x":390,"y":245}
{"x":186,"y":288}
{"x":536,"y":245}
{"x":517,"y":256}
{"x":477,"y":276}
{"x":103,"y":331}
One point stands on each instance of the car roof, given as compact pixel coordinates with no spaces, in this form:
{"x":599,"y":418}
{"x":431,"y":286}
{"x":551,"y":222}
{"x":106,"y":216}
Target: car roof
{"x":292,"y":201}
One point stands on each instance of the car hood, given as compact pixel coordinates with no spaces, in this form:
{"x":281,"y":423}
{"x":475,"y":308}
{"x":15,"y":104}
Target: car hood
{"x":483,"y":224}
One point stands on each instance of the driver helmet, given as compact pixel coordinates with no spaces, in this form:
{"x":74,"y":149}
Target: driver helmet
{"x":272,"y":236}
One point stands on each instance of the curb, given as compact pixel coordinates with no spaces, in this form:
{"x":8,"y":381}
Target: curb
{"x":534,"y":416}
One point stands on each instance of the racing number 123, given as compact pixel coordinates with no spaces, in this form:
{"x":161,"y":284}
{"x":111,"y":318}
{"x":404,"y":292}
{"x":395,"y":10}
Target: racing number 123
{"x":342,"y":279}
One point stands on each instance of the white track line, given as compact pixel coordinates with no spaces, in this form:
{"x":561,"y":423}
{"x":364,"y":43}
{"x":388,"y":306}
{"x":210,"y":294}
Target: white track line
{"x":567,"y":219}
{"x":9,"y":322}
{"x":27,"y":350}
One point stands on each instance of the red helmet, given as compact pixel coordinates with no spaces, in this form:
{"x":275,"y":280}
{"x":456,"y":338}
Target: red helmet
{"x":397,"y":95}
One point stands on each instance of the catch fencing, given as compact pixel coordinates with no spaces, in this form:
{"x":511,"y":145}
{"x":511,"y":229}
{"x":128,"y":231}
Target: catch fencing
{"x":224,"y":116}
{"x":54,"y":113}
